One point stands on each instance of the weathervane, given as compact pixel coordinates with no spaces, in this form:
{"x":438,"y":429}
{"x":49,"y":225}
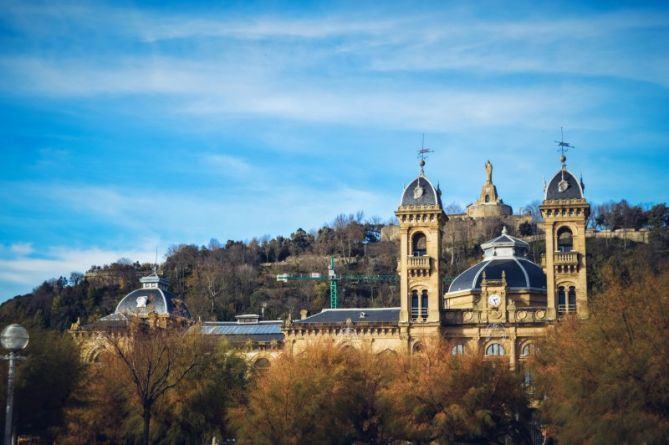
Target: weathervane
{"x":563,"y":147}
{"x":422,"y":154}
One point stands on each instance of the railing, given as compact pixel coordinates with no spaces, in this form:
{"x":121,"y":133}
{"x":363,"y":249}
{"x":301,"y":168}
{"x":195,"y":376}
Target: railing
{"x":418,"y":313}
{"x":566,"y":308}
{"x":418,"y":262}
{"x":566,"y":258}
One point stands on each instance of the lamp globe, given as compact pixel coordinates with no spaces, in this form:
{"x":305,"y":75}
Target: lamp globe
{"x":14,"y":338}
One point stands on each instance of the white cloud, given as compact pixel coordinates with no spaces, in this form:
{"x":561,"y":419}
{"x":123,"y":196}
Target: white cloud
{"x":25,"y":271}
{"x":21,"y":248}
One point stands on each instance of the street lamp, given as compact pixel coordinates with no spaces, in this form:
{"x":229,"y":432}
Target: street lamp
{"x":14,"y":338}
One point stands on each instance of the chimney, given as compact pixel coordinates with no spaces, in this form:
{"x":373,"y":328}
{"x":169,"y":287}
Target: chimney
{"x":303,"y":314}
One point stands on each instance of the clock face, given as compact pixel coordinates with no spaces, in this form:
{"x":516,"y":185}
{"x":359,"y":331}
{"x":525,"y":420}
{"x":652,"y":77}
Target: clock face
{"x":494,"y":300}
{"x":563,"y":185}
{"x":417,"y":192}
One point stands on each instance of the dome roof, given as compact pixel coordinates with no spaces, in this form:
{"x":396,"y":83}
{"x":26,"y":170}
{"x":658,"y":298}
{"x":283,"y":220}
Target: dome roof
{"x":152,"y":297}
{"x":421,"y":192}
{"x":504,"y":254}
{"x":564,"y":185}
{"x":143,"y":301}
{"x":520,"y":273}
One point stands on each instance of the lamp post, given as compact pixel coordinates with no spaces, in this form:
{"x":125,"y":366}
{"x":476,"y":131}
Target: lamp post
{"x":14,"y":338}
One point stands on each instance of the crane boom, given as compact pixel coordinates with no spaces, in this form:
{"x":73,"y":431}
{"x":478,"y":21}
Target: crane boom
{"x":332,"y":277}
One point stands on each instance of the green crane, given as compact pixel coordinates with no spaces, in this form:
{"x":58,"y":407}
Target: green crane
{"x":332,"y":277}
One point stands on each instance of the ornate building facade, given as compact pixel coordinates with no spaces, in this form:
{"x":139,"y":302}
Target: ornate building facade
{"x":499,"y":306}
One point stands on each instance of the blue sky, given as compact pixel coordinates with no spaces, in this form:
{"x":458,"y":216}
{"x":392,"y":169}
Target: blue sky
{"x":127,"y":127}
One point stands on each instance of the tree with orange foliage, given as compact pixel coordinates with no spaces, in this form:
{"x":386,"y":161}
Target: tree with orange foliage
{"x":331,"y":395}
{"x":325,"y":395}
{"x":605,"y":379}
{"x":443,"y":398}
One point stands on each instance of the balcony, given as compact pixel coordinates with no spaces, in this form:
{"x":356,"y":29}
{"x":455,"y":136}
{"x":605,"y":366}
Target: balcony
{"x":566,"y":262}
{"x":419,"y":265}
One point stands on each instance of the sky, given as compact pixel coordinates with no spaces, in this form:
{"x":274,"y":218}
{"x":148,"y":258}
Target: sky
{"x":129,"y":127}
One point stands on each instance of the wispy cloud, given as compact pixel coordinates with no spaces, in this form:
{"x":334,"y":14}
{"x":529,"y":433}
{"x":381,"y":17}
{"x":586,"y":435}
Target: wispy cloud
{"x":24,"y":270}
{"x":176,"y":124}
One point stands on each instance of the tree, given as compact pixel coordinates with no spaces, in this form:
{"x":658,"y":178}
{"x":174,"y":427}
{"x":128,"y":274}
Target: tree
{"x":42,"y":394}
{"x":604,"y":379}
{"x":658,"y":216}
{"x":289,"y":403}
{"x":444,"y":398}
{"x":153,"y":361}
{"x":372,"y":398}
{"x":526,"y":228}
{"x":198,"y":410}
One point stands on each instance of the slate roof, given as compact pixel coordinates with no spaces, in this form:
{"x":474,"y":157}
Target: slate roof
{"x":574,"y":191}
{"x":505,"y":240}
{"x":430,"y":196}
{"x":357,"y":315}
{"x":520,"y":273}
{"x":262,"y":331}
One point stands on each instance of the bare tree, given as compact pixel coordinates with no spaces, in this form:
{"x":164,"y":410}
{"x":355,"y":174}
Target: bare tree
{"x":153,"y":361}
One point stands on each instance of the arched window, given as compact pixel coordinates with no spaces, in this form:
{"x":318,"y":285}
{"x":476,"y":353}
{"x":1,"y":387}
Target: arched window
{"x":419,"y":244}
{"x":417,"y":348}
{"x":423,"y":304}
{"x":562,"y":305}
{"x":261,"y":364}
{"x":527,"y":350}
{"x":565,"y":240}
{"x":528,"y":379}
{"x":571,"y":299}
{"x":414,"y":304}
{"x":458,"y":349}
{"x":494,"y":350}
{"x":487,"y":198}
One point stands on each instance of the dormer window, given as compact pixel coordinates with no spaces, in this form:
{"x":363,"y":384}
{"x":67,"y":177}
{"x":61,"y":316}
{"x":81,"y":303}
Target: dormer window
{"x":419,"y":244}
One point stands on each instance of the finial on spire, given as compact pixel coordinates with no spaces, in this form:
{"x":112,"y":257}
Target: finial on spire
{"x":422,"y":155}
{"x":563,"y":148}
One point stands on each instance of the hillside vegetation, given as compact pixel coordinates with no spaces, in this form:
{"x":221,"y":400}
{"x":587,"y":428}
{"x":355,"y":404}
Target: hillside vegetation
{"x":219,"y":281}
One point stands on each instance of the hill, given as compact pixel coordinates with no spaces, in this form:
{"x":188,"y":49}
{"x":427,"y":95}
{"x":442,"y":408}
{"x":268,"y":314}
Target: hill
{"x":219,"y":281}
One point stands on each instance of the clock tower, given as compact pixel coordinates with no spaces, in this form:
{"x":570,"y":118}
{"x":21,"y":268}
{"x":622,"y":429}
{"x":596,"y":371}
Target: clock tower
{"x":421,"y":224}
{"x":565,"y":212}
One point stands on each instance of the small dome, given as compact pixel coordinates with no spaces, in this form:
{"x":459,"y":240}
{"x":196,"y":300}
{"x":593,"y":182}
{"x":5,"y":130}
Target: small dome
{"x":502,"y":255}
{"x":143,"y":301}
{"x":152,"y":297}
{"x":564,"y":185}
{"x":421,"y":192}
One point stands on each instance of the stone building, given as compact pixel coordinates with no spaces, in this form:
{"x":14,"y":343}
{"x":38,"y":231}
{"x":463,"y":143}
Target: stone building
{"x":499,"y":306}
{"x":156,"y":307}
